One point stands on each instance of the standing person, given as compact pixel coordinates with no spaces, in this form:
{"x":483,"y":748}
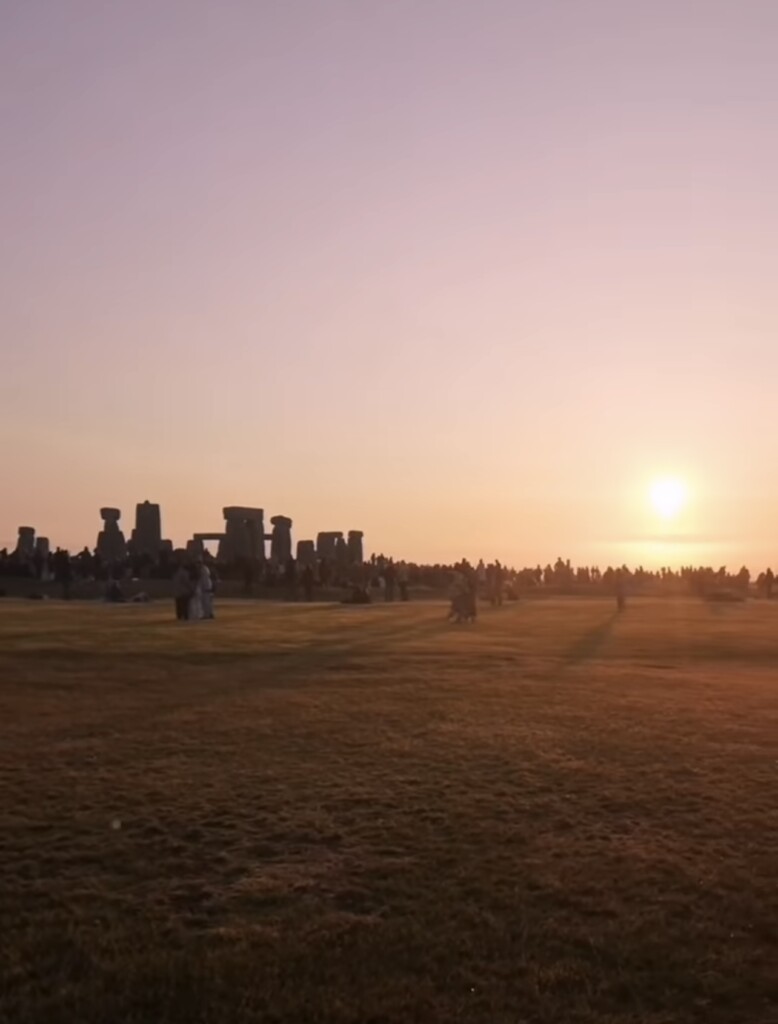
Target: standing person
{"x":195,"y":593}
{"x":457,"y":592}
{"x":182,"y":591}
{"x":621,"y":593}
{"x":38,"y":562}
{"x":308,"y":579}
{"x":248,"y":576}
{"x":471,"y":583}
{"x":390,"y":577}
{"x":499,"y":583}
{"x":490,"y":583}
{"x":205,"y":581}
{"x":483,"y":577}
{"x":402,"y":580}
{"x":63,"y":572}
{"x":325,"y":572}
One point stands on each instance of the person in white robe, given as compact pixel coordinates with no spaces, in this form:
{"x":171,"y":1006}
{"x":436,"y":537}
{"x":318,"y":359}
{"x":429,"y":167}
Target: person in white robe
{"x":196,"y":600}
{"x":205,"y":584}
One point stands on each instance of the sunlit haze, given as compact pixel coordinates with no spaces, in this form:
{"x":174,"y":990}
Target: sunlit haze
{"x":471,"y":277}
{"x":669,"y":497}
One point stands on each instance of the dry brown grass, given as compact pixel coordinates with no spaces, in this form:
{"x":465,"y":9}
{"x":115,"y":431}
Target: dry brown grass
{"x":367,"y":815}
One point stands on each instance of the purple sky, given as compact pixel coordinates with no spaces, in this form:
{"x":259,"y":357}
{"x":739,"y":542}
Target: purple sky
{"x":467,"y":276}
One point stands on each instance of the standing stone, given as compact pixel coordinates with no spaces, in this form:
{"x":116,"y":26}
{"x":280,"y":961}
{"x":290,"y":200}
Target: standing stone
{"x":25,"y":546}
{"x":341,"y":552}
{"x":327,"y":544}
{"x":306,"y":552}
{"x":281,"y":539}
{"x":147,"y":535}
{"x":244,"y":534}
{"x":111,"y":545}
{"x":41,"y":557}
{"x":355,"y":551}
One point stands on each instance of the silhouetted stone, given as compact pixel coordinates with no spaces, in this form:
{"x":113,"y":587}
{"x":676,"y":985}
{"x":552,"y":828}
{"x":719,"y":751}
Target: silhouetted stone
{"x":25,"y":545}
{"x":111,"y":545}
{"x":306,"y":552}
{"x":147,"y":535}
{"x":327,"y":544}
{"x":244,"y":534}
{"x":42,"y":547}
{"x":281,"y":539}
{"x":355,"y":551}
{"x":341,"y":552}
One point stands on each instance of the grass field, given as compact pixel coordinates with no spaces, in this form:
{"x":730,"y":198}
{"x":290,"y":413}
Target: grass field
{"x":367,"y":815}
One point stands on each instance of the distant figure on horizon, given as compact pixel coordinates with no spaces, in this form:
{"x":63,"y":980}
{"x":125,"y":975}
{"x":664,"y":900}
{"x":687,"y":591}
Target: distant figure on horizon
{"x":390,"y":576}
{"x":402,"y":580}
{"x":63,"y":572}
{"x":621,"y":592}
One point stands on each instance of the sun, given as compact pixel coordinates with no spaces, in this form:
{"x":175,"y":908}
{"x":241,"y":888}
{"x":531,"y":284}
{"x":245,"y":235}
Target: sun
{"x":669,"y":496}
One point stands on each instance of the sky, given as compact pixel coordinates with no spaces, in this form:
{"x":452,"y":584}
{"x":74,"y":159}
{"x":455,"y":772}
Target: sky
{"x":467,"y":276}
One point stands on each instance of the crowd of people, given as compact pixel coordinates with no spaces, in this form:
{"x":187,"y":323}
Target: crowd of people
{"x":194,"y":586}
{"x":381,"y":578}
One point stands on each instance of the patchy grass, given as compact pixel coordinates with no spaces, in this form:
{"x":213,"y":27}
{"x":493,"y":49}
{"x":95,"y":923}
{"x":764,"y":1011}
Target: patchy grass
{"x":353,"y":815}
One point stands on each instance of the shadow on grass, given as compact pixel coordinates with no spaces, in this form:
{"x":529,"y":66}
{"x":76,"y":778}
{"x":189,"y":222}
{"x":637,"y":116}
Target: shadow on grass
{"x":591,"y":643}
{"x":345,"y":646}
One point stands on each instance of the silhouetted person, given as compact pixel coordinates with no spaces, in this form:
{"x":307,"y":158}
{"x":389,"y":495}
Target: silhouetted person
{"x":114,"y":593}
{"x":471,"y":591}
{"x":308,"y":580}
{"x":182,"y":592}
{"x":489,"y":579}
{"x":63,"y":573}
{"x":499,"y":585}
{"x":325,"y":572}
{"x":248,"y":576}
{"x":402,"y":580}
{"x":390,"y":578}
{"x":621,"y":592}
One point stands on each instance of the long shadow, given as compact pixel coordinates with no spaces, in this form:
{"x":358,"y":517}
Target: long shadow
{"x":588,"y":645}
{"x":343,"y":648}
